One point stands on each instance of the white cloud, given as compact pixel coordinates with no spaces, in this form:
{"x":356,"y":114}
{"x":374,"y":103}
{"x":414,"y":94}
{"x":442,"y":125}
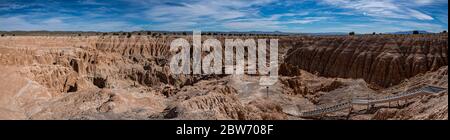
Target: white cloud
{"x":223,"y":15}
{"x":24,"y":23}
{"x":262,"y":25}
{"x":230,"y":15}
{"x":15,"y":23}
{"x":406,"y":25}
{"x":53,"y":21}
{"x":91,"y":2}
{"x":205,"y":13}
{"x":271,"y":23}
{"x":423,"y":2}
{"x":383,"y":8}
{"x":215,"y":10}
{"x":419,"y":15}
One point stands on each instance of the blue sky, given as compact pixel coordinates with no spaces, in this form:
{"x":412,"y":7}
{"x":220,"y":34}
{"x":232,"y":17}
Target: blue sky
{"x":313,"y":16}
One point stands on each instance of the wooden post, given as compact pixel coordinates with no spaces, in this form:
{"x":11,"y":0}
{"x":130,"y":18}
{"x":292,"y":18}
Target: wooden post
{"x":406,"y":102}
{"x":135,"y":77}
{"x":267,"y":89}
{"x":368,"y":105}
{"x":349,"y":112}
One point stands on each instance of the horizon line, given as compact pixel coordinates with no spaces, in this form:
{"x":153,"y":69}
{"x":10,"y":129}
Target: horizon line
{"x":206,"y":31}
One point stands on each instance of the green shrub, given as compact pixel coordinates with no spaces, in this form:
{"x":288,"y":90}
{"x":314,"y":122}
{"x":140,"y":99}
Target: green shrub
{"x":351,"y":33}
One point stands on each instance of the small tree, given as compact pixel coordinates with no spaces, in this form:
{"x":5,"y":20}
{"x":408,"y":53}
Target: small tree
{"x":128,"y":35}
{"x":3,"y":35}
{"x":351,"y":33}
{"x":444,"y":31}
{"x":415,"y":32}
{"x":374,"y":33}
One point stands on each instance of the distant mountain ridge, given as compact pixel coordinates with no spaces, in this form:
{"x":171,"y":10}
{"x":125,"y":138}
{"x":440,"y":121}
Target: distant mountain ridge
{"x":410,"y":32}
{"x":207,"y":32}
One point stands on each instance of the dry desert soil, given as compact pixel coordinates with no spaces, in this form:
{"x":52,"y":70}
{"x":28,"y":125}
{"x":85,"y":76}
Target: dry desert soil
{"x":128,"y":77}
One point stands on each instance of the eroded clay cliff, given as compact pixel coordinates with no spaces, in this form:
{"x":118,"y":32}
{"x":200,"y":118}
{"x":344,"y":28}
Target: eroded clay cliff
{"x":128,"y":77}
{"x":381,"y":60}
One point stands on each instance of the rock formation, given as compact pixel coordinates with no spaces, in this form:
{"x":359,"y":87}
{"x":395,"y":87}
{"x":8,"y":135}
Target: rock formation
{"x":128,"y":77}
{"x":380,"y":60}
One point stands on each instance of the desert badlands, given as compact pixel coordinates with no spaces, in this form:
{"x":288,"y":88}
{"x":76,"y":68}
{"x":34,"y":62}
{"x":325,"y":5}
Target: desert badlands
{"x":127,"y":76}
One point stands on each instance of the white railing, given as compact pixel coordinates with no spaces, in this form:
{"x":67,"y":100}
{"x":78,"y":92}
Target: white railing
{"x":402,"y":96}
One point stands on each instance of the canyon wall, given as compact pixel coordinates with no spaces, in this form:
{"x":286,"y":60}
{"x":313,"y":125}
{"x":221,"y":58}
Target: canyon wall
{"x":76,"y":61}
{"x":380,"y":60}
{"x":128,"y":77}
{"x":68,"y":64}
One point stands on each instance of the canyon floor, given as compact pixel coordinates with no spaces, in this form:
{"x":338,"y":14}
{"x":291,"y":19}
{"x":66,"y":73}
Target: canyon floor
{"x":91,"y":77}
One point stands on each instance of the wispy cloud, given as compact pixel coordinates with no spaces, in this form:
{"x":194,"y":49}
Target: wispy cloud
{"x":203,"y":11}
{"x":226,"y":15}
{"x":383,"y":8}
{"x":91,"y":2}
{"x":15,"y":23}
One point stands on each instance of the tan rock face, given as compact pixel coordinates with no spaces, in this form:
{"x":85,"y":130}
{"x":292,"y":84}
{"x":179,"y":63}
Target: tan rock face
{"x":381,"y":60}
{"x":120,"y":77}
{"x":99,"y":60}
